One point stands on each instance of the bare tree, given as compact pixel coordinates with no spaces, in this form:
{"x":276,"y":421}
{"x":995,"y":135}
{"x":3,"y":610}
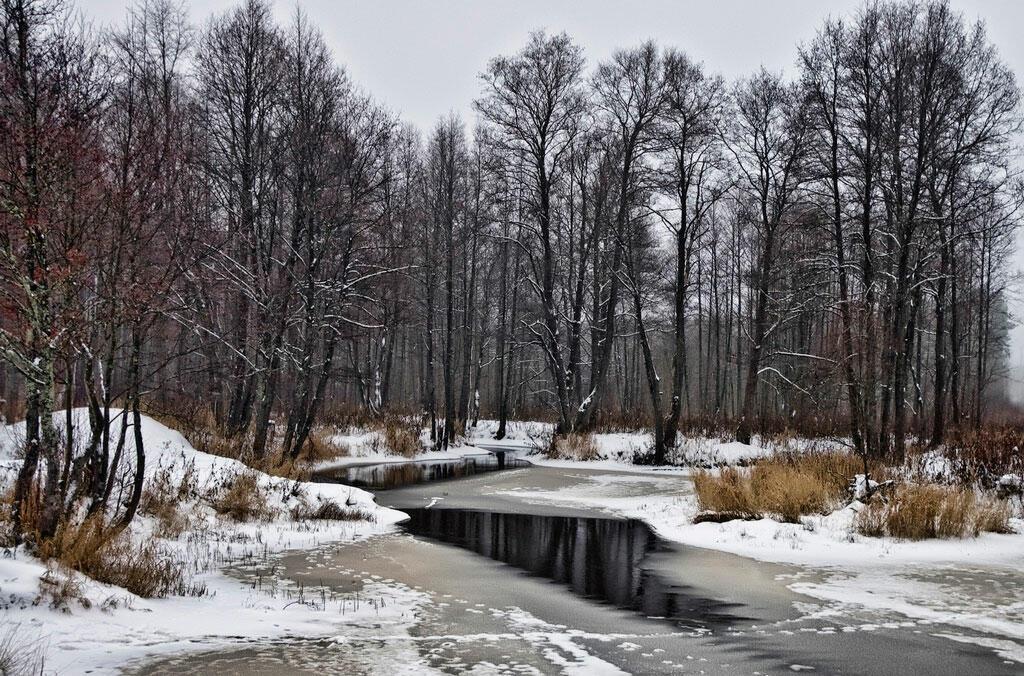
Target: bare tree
{"x":694,"y":181}
{"x":535,"y":101}
{"x":766,"y":138}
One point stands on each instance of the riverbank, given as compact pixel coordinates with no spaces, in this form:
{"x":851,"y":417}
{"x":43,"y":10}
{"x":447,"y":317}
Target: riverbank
{"x":65,"y":622}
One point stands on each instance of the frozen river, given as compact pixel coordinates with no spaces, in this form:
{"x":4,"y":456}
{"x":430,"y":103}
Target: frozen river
{"x":511,"y":584}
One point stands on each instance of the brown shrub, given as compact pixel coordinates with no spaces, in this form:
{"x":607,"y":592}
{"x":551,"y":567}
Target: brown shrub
{"x":986,"y":454}
{"x":31,"y":512}
{"x":347,"y":416}
{"x":285,"y":467}
{"x":992,"y":515}
{"x":108,"y":555}
{"x":727,"y":492}
{"x":920,"y":512}
{"x":321,"y":446}
{"x":162,"y":499}
{"x":770,"y":428}
{"x":618,"y":419}
{"x":401,"y":439}
{"x":786,"y":485}
{"x":242,"y":499}
{"x":714,"y":426}
{"x":329,"y":510}
{"x":213,"y":441}
{"x":574,"y":447}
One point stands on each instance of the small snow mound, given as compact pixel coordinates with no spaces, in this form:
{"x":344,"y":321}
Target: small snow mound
{"x":862,"y":487}
{"x":1009,"y":485}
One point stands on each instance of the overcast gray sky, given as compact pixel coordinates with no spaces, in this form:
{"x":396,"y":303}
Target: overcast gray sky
{"x":423,"y":58}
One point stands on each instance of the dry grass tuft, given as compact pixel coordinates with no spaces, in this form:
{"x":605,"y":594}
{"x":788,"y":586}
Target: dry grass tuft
{"x":59,"y":588}
{"x":574,"y":447}
{"x":243,"y":499}
{"x":727,"y":492}
{"x":871,"y":520}
{"x":787,"y":486}
{"x":401,"y":439}
{"x":163,"y":497}
{"x":21,"y":652}
{"x":329,"y":510}
{"x":31,"y":512}
{"x":791,"y":492}
{"x":992,"y":515}
{"x":108,"y":555}
{"x":794,"y":485}
{"x":286,"y":468}
{"x":321,"y":446}
{"x":921,"y":512}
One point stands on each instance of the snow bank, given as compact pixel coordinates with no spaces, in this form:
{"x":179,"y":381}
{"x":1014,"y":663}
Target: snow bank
{"x":366,"y":447}
{"x":167,"y":451}
{"x":620,"y":448}
{"x":118,"y":627}
{"x":517,"y":432}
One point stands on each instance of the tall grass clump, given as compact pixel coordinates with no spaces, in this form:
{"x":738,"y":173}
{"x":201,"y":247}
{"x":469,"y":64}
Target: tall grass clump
{"x":243,"y":499}
{"x":728,"y":493}
{"x":785,"y":486}
{"x":163,"y":497}
{"x":107,"y":554}
{"x":401,"y":439}
{"x":329,"y":510}
{"x":922,"y":512}
{"x":574,"y":447}
{"x":21,"y":652}
{"x":321,"y":446}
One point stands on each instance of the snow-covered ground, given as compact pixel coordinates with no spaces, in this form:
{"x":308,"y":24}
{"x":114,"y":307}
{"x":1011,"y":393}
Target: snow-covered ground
{"x":118,"y":627}
{"x":365,"y":447}
{"x":617,"y":450}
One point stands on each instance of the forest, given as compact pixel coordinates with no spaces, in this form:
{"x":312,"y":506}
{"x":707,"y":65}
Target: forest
{"x":216,"y":222}
{"x":622,"y":366}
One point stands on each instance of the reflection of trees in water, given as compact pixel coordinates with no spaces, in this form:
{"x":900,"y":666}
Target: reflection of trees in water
{"x":395,"y":475}
{"x":597,"y":558}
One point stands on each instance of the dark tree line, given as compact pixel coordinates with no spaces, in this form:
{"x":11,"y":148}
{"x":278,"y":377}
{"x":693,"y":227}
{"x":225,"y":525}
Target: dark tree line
{"x":218,"y":218}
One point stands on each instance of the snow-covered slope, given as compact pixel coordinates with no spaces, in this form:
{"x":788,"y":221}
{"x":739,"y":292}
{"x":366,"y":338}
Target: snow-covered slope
{"x":118,"y":627}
